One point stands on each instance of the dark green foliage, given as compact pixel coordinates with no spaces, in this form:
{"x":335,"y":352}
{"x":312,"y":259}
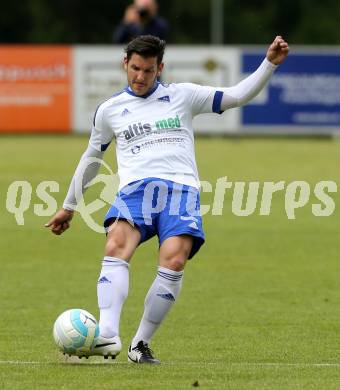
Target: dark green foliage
{"x":246,"y":21}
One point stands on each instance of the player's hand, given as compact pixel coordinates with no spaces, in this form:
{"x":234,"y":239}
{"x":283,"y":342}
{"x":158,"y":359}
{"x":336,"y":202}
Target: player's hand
{"x":278,"y":51}
{"x":60,"y":222}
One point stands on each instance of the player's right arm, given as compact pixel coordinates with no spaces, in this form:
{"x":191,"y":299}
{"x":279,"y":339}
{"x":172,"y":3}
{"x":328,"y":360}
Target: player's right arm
{"x":60,"y":221}
{"x":86,"y":171}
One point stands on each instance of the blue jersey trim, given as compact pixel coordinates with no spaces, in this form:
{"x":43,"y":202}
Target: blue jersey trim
{"x":152,"y":90}
{"x":117,"y":93}
{"x":104,"y":147}
{"x":216,"y":106}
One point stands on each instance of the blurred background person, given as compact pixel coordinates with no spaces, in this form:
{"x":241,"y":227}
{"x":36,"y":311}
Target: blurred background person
{"x":141,"y":18}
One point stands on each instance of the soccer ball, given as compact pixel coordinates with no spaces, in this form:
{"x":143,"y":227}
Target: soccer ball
{"x":75,"y":332}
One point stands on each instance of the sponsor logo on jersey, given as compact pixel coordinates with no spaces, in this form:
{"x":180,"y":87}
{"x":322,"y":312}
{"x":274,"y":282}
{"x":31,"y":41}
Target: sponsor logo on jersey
{"x":169,"y":123}
{"x":164,"y":99}
{"x":125,"y":112}
{"x":139,"y":129}
{"x":135,"y":149}
{"x":136,"y":129}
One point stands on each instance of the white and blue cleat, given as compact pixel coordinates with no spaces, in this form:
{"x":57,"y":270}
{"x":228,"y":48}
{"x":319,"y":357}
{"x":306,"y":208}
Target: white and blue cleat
{"x":106,"y":347}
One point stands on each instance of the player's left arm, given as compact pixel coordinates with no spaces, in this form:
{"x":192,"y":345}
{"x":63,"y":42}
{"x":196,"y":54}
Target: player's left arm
{"x":277,"y":51}
{"x":248,"y":88}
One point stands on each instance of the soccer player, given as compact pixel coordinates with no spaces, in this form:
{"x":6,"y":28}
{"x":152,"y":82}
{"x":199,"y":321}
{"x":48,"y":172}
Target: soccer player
{"x":151,"y":123}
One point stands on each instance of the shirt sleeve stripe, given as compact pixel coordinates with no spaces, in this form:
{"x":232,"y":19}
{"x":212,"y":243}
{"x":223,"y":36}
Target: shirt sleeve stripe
{"x":216,"y":106}
{"x":104,"y":147}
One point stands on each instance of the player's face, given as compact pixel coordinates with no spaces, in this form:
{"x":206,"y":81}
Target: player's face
{"x":142,"y":73}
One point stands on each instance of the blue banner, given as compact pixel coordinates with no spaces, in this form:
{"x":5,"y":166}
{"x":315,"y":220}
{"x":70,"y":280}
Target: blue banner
{"x":304,"y":91}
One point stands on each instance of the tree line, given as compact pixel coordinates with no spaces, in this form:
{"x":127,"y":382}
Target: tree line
{"x":245,"y":21}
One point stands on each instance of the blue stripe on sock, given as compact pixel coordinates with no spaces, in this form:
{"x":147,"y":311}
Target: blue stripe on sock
{"x":173,"y":278}
{"x":165,"y":277}
{"x":111,"y":261}
{"x":166,"y":273}
{"x":115,"y":263}
{"x":169,"y":276}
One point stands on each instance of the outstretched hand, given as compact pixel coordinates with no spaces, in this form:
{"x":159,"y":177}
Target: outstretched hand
{"x":60,"y":222}
{"x":278,"y":51}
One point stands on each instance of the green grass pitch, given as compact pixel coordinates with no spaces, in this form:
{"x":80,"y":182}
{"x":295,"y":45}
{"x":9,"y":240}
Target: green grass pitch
{"x":260,"y":305}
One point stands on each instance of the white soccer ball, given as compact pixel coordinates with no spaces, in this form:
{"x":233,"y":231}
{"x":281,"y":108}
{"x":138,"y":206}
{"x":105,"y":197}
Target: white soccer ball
{"x":75,"y":332}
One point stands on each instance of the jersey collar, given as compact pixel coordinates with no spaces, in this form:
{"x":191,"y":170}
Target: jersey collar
{"x":128,"y":90}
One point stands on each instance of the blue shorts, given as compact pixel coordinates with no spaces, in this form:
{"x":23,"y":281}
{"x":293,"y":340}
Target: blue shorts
{"x":159,"y":207}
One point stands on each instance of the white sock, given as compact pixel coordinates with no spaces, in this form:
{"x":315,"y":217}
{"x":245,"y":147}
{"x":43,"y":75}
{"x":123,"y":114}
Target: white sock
{"x":112,"y":290}
{"x":158,"y":301}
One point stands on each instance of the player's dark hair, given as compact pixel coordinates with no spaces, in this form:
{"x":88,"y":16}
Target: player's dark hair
{"x":146,"y":46}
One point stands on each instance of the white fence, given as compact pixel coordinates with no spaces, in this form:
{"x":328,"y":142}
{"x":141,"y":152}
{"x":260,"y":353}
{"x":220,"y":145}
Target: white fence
{"x":302,"y":97}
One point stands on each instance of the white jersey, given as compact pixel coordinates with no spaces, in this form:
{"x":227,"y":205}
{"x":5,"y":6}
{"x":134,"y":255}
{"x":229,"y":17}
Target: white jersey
{"x":154,"y":134}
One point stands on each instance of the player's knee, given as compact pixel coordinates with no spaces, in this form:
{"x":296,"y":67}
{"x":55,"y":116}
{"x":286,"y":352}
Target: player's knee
{"x":178,"y":264}
{"x":116,"y":246}
{"x":174,"y":263}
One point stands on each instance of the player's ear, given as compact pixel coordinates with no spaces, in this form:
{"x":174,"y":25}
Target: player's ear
{"x":160,"y":69}
{"x":125,"y":62}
